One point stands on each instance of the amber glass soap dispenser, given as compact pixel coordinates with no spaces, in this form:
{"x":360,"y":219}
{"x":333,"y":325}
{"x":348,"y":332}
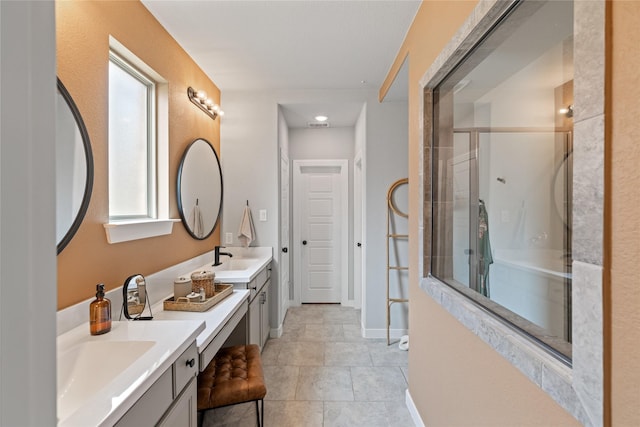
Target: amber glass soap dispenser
{"x":100,"y":313}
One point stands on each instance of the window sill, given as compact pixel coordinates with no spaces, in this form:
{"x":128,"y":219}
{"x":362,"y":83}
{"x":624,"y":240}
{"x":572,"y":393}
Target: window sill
{"x":125,"y":231}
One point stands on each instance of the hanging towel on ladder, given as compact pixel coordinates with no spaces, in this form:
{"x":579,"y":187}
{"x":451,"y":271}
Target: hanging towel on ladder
{"x":196,"y":222}
{"x":247,"y":232}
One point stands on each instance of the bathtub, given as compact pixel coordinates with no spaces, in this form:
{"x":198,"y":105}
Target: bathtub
{"x":534,"y":284}
{"x":551,"y":262}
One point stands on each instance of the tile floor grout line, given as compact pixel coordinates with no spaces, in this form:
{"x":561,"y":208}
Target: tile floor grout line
{"x":298,"y":336}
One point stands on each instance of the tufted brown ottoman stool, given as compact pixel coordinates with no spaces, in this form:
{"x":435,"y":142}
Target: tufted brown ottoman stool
{"x":233,"y":376}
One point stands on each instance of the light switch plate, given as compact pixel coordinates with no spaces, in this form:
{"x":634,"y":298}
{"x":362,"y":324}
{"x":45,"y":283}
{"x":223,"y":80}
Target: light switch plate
{"x":228,"y":238}
{"x":263,"y":214}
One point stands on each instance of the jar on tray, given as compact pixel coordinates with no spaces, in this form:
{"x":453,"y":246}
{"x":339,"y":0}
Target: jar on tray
{"x":203,"y":279}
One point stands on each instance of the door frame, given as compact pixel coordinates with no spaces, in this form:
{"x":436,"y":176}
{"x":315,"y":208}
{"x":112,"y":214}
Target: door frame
{"x":343,"y":164}
{"x":283,"y":295}
{"x":359,"y":271}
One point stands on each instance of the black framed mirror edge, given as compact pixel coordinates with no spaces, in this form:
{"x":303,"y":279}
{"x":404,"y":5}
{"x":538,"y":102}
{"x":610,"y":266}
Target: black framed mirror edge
{"x":179,"y":190}
{"x":84,"y":206}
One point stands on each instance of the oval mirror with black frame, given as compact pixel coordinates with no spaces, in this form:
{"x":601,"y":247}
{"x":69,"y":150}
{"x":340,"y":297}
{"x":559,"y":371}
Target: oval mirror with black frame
{"x":74,"y":168}
{"x":200,"y":189}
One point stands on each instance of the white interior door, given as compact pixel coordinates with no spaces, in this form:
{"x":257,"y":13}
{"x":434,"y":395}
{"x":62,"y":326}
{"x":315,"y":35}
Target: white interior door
{"x":284,"y":236}
{"x":321,"y":231}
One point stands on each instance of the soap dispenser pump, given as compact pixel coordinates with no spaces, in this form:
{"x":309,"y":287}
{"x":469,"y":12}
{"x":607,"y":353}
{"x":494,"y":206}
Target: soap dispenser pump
{"x":100,"y":313}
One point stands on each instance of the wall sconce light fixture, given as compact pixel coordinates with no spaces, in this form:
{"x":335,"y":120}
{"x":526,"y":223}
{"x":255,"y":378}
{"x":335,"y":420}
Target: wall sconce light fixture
{"x":568,"y":111}
{"x":199,"y":98}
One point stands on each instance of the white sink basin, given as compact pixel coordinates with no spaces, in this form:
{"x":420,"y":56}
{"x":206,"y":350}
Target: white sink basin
{"x":89,"y":366}
{"x":101,"y":377}
{"x":245,"y":264}
{"x":232,"y":264}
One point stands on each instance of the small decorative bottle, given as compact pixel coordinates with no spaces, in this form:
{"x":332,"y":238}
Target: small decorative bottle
{"x":100,"y":313}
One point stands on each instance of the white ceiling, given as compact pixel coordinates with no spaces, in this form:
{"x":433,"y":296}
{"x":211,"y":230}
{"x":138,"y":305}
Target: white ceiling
{"x":293,"y":45}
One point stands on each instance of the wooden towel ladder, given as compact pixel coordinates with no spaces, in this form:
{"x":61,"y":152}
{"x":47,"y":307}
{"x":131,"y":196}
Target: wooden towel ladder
{"x":392,"y":209}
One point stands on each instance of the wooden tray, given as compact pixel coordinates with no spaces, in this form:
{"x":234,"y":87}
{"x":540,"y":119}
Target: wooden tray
{"x":222,"y":291}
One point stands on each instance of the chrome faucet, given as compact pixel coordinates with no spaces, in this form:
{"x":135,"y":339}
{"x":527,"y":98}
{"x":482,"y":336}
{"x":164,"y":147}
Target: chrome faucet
{"x":217,"y":253}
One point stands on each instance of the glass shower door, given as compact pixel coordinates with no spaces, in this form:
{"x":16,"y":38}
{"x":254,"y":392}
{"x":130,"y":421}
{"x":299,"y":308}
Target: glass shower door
{"x":465,"y":189}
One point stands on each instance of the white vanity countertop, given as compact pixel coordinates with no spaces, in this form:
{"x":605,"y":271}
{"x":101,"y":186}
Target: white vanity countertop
{"x":100,"y":377}
{"x":215,"y":318}
{"x":255,"y":258}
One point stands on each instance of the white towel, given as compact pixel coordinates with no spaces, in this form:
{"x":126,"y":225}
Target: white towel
{"x":196,"y":223}
{"x":247,"y":232}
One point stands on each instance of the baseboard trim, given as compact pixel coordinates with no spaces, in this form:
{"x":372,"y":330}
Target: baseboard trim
{"x":382,"y":333}
{"x":275,"y":332}
{"x":415,"y":416}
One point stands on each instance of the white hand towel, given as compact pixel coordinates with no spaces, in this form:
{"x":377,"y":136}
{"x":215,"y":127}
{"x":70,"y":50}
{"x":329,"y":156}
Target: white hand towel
{"x":247,"y":232}
{"x":196,"y":222}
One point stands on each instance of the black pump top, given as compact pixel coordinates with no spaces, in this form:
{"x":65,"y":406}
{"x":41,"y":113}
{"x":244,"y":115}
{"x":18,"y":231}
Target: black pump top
{"x":100,"y":290}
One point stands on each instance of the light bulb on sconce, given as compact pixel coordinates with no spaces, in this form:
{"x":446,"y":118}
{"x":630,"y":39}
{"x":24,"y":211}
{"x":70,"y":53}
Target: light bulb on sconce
{"x":568,"y":111}
{"x":199,"y":98}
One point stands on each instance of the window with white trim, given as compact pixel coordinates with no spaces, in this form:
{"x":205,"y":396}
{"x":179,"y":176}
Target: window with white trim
{"x":132,"y":142}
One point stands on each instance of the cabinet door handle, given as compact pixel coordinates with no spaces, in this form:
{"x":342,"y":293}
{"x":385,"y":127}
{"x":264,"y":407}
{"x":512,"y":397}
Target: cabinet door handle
{"x":285,"y":250}
{"x":304,"y":242}
{"x":191,"y":363}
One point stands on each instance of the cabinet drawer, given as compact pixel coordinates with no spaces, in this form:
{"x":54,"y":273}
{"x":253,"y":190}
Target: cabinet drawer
{"x":258,"y":282}
{"x":185,"y":368}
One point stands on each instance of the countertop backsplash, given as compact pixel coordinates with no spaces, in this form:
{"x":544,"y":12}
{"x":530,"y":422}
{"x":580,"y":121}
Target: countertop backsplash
{"x":159,"y":286}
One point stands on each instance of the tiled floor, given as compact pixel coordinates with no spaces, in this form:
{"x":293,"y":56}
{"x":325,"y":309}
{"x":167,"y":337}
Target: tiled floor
{"x":322,"y":373}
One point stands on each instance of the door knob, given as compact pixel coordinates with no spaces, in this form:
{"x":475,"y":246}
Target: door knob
{"x":304,"y":242}
{"x":285,"y":250}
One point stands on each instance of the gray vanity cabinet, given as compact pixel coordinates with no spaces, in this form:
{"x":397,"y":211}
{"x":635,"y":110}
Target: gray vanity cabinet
{"x":172,"y":400}
{"x":184,"y":410}
{"x":258,"y":316}
{"x":265,"y":327}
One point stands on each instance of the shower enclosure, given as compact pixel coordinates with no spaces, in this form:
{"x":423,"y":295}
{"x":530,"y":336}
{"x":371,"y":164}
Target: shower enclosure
{"x":510,"y":220}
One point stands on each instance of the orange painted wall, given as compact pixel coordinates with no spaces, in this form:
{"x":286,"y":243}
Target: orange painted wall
{"x":455,"y":378}
{"x":623,"y":151}
{"x":82,"y":42}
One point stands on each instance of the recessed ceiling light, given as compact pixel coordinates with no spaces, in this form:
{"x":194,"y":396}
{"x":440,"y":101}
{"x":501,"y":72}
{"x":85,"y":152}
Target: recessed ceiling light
{"x":321,"y":118}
